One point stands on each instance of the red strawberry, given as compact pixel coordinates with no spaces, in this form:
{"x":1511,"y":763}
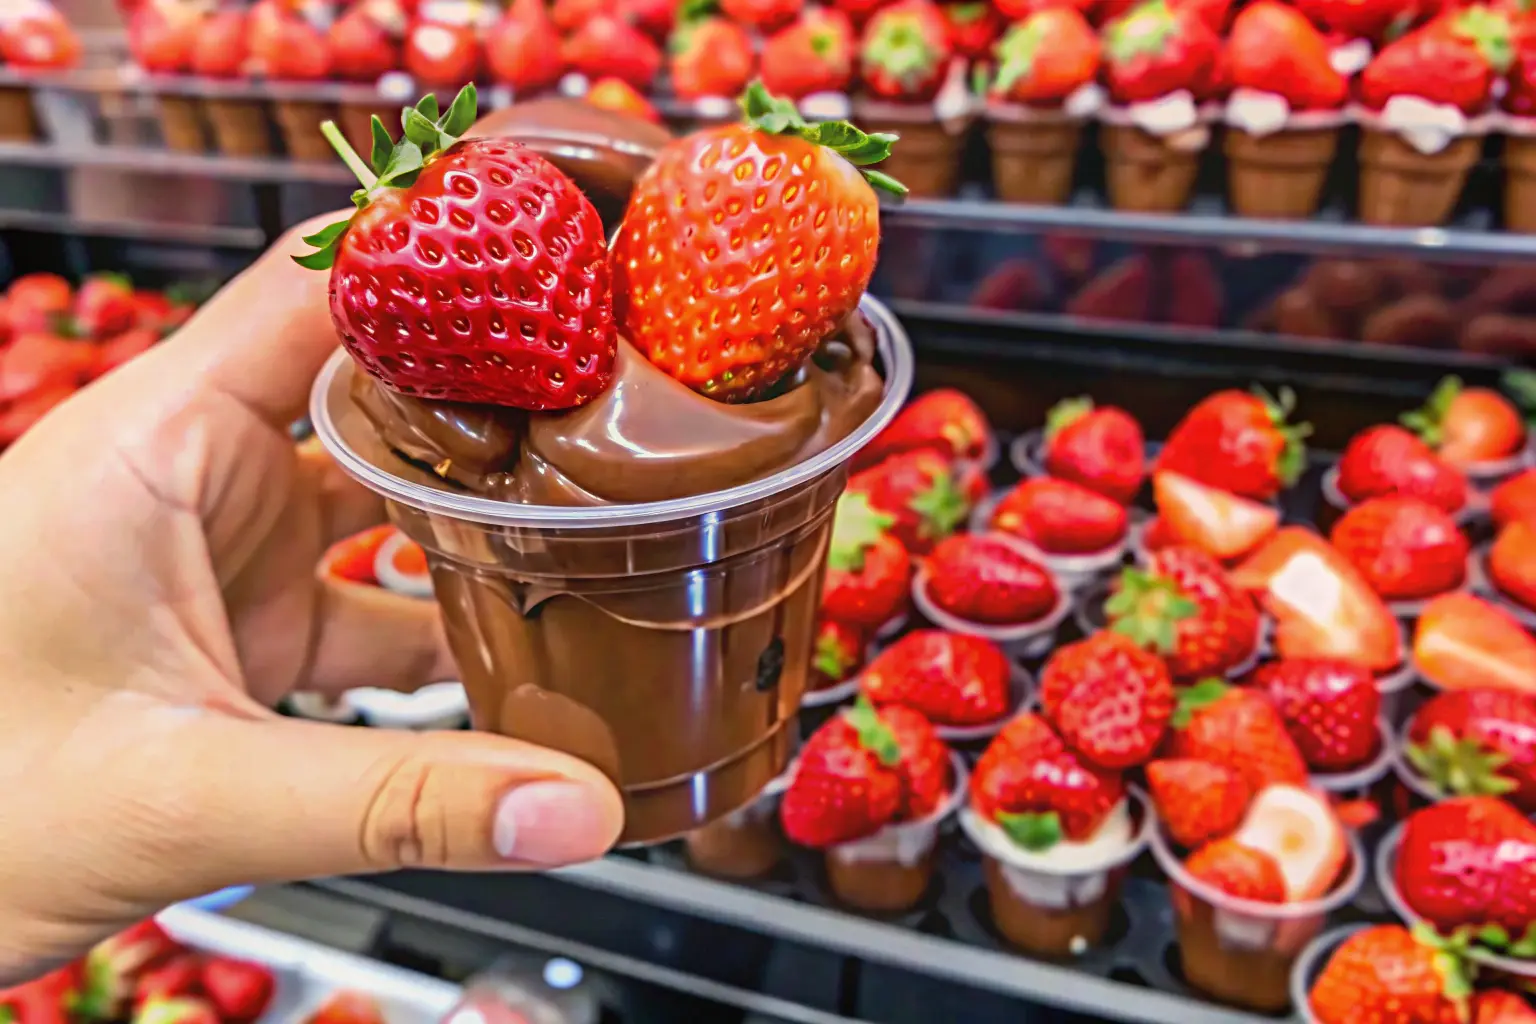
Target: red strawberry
{"x":859,"y":772}
{"x":113,"y":966}
{"x":1404,"y":547}
{"x":522,"y":49}
{"x":1501,"y":1006}
{"x":1044,"y":59}
{"x":1454,"y":60}
{"x":126,"y":346}
{"x":182,"y":1010}
{"x":42,"y":294}
{"x":944,"y":420}
{"x":1463,"y":642}
{"x":365,"y":40}
{"x":287,"y":46}
{"x":1356,"y":19}
{"x":1197,"y":801}
{"x":763,"y":15}
{"x":1037,"y":790}
{"x":1389,"y":460}
{"x":221,"y":48}
{"x":1209,"y":518}
{"x":1274,"y":48}
{"x":23,"y":414}
{"x":1514,"y":499}
{"x":1466,"y":426}
{"x":621,"y":98}
{"x":35,"y":363}
{"x":45,"y":1000}
{"x":813,"y":55}
{"x":1385,"y":973}
{"x":1155,"y":49}
{"x":162,"y":37}
{"x":905,"y":52}
{"x":440,"y":55}
{"x":868,"y":570}
{"x":608,"y":47}
{"x":986,"y":579}
{"x":858,"y":12}
{"x":921,"y":490}
{"x":1512,"y":563}
{"x":551,"y":348}
{"x":1237,"y":729}
{"x":1330,"y":708}
{"x":1477,"y":743}
{"x":1472,"y":861}
{"x":238,"y":989}
{"x":1239,"y":442}
{"x":348,"y":1007}
{"x":104,"y":306}
{"x":837,"y":654}
{"x":700,"y":303}
{"x":1237,"y":870}
{"x":1060,"y":517}
{"x":712,"y":57}
{"x":570,"y":15}
{"x":1184,"y":606}
{"x":37,"y":37}
{"x":1101,"y":448}
{"x":354,"y":558}
{"x":950,"y":678}
{"x":181,"y":975}
{"x":655,"y":18}
{"x":973,"y":28}
{"x":1109,"y":699}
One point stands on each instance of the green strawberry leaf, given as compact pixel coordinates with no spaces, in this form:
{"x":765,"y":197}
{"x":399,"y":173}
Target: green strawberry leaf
{"x":874,"y":735}
{"x":383,"y":145}
{"x":1493,"y":935}
{"x":831,"y":660}
{"x":1145,"y":31}
{"x":856,"y":527}
{"x":1192,"y":698}
{"x":1428,"y":420}
{"x":1149,"y":609}
{"x":1065,"y":413}
{"x":1459,"y":767}
{"x":776,"y":116}
{"x":941,"y":507}
{"x":1524,"y":948}
{"x":427,"y":106}
{"x":1034,"y":832}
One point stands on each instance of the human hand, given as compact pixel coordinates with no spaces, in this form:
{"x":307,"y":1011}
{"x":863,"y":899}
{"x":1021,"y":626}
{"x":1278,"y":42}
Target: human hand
{"x":159,"y":594}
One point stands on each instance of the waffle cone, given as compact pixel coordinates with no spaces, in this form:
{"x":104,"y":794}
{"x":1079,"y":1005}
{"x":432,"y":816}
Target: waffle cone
{"x":18,"y":122}
{"x":181,"y":124}
{"x":926,"y":159}
{"x":1279,"y":175}
{"x":1402,"y":187}
{"x":1033,"y":161}
{"x":1520,"y":182}
{"x":240,"y":127}
{"x":356,"y":123}
{"x":1146,"y":175}
{"x":299,"y":122}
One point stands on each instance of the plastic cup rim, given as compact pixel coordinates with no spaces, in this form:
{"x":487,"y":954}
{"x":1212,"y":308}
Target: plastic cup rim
{"x":891,"y":343}
{"x":1133,"y":849}
{"x":1473,"y":507}
{"x":998,"y":634}
{"x":1308,"y":963}
{"x":960,"y":780}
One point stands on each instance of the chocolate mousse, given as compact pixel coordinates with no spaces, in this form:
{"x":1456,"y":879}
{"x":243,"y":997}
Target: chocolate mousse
{"x":669,"y":651}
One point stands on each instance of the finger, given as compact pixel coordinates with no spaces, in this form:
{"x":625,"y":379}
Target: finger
{"x":347,"y":506}
{"x":265,"y":335}
{"x":369,"y":636}
{"x":288,"y":799}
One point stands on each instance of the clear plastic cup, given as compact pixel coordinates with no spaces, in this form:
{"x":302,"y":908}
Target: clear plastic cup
{"x":1309,"y":966}
{"x":668,"y":643}
{"x":1048,"y":910}
{"x":745,"y":844}
{"x":1241,"y":952}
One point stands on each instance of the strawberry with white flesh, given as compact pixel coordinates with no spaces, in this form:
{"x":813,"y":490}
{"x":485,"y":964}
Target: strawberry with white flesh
{"x":836,"y":653}
{"x":945,"y":420}
{"x":1406,"y":548}
{"x":113,"y":966}
{"x":1273,"y":48}
{"x":1217,"y":522}
{"x":868,"y":570}
{"x":1470,"y":863}
{"x":710,"y":57}
{"x":1301,"y":831}
{"x":238,"y":989}
{"x":1037,"y":791}
{"x":1454,"y":60}
{"x":986,"y":579}
{"x":1060,"y":517}
{"x":1109,"y":699}
{"x":952,"y":679}
{"x":905,"y":52}
{"x":745,"y":246}
{"x":1462,"y":642}
{"x":1156,"y":49}
{"x":1238,"y":870}
{"x":1236,"y":728}
{"x":1197,"y":801}
{"x":1514,"y":500}
{"x":815,"y":54}
{"x":1044,"y":59}
{"x":429,"y":201}
{"x":1477,"y":743}
{"x":1329,"y":706}
{"x":1185,"y":607}
{"x":439,"y":54}
{"x":522,"y":49}
{"x":1467,"y":426}
{"x":864,"y":769}
{"x":1384,"y":460}
{"x":1240,"y":442}
{"x":1388,"y":974}
{"x":1101,"y":448}
{"x":921,"y":491}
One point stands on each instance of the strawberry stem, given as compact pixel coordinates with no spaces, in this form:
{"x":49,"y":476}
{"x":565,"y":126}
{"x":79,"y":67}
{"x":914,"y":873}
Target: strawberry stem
{"x":776,"y":116}
{"x":348,"y":155}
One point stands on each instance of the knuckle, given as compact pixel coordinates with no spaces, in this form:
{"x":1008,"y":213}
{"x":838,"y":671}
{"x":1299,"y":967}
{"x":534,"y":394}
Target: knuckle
{"x":405,"y":822}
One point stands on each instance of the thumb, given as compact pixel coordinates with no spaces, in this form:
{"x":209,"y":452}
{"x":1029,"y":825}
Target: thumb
{"x":265,"y":800}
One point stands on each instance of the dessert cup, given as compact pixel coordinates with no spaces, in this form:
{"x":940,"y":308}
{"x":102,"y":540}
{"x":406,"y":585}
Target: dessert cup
{"x":892,"y":870}
{"x":1280,"y":175}
{"x":1400,"y":186}
{"x":1310,"y":965}
{"x":1520,"y":173}
{"x":1034,"y":152}
{"x":666,"y":642}
{"x":299,"y":122}
{"x":182,"y":127}
{"x":438,"y":706}
{"x":240,"y":126}
{"x":1072,"y":572}
{"x":1051,"y":909}
{"x":18,"y":121}
{"x":1023,"y":639}
{"x":356,"y":122}
{"x":1241,"y":952}
{"x":745,"y":844}
{"x":1147,"y":172}
{"x":928,"y":159}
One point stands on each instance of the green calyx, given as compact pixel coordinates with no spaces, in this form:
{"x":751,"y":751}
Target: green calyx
{"x":1193,"y":698}
{"x":1498,"y":939}
{"x":899,"y":46}
{"x":1456,"y":972}
{"x":1016,"y":54}
{"x":967,"y":14}
{"x":1034,"y":832}
{"x":1459,"y":767}
{"x":777,"y":116}
{"x":392,"y":164}
{"x":942,"y":508}
{"x":1293,"y":457}
{"x":1065,"y":413}
{"x":830,"y":658}
{"x":1143,"y":32}
{"x":693,"y":11}
{"x":1148,"y":609}
{"x":1489,"y":31}
{"x":856,"y":527}
{"x":1428,"y":421}
{"x":874,"y":735}
{"x":1520,"y":386}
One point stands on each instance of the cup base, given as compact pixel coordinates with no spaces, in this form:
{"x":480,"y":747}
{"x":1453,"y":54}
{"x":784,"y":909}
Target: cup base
{"x":879,"y":886}
{"x":1255,"y":979}
{"x":741,"y":850}
{"x":1056,"y":933}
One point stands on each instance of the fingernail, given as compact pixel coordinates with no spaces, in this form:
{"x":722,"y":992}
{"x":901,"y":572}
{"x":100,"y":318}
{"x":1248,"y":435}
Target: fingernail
{"x":552,"y":822}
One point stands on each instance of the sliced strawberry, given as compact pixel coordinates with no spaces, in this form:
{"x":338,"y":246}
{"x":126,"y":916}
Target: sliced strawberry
{"x":1216,"y":521}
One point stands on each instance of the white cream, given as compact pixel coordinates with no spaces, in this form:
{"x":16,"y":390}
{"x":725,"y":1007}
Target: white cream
{"x":1085,"y":101}
{"x":1349,"y":59}
{"x":1069,"y":874}
{"x":1165,"y":115}
{"x":1427,"y":127}
{"x":1258,"y":113}
{"x":826,"y":106}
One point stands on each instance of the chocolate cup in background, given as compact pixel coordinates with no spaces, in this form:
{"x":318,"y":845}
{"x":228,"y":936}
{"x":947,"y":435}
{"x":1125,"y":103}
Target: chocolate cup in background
{"x":1145,"y":173}
{"x":182,"y":126}
{"x":18,"y":121}
{"x":1034,"y":155}
{"x":1520,"y":182}
{"x":299,"y":123}
{"x":743,"y":845}
{"x":1280,"y":175}
{"x":356,"y":122}
{"x":926,"y":158}
{"x":240,"y":126}
{"x":1402,"y":187}
{"x":667,"y":643}
{"x":1240,"y":952}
